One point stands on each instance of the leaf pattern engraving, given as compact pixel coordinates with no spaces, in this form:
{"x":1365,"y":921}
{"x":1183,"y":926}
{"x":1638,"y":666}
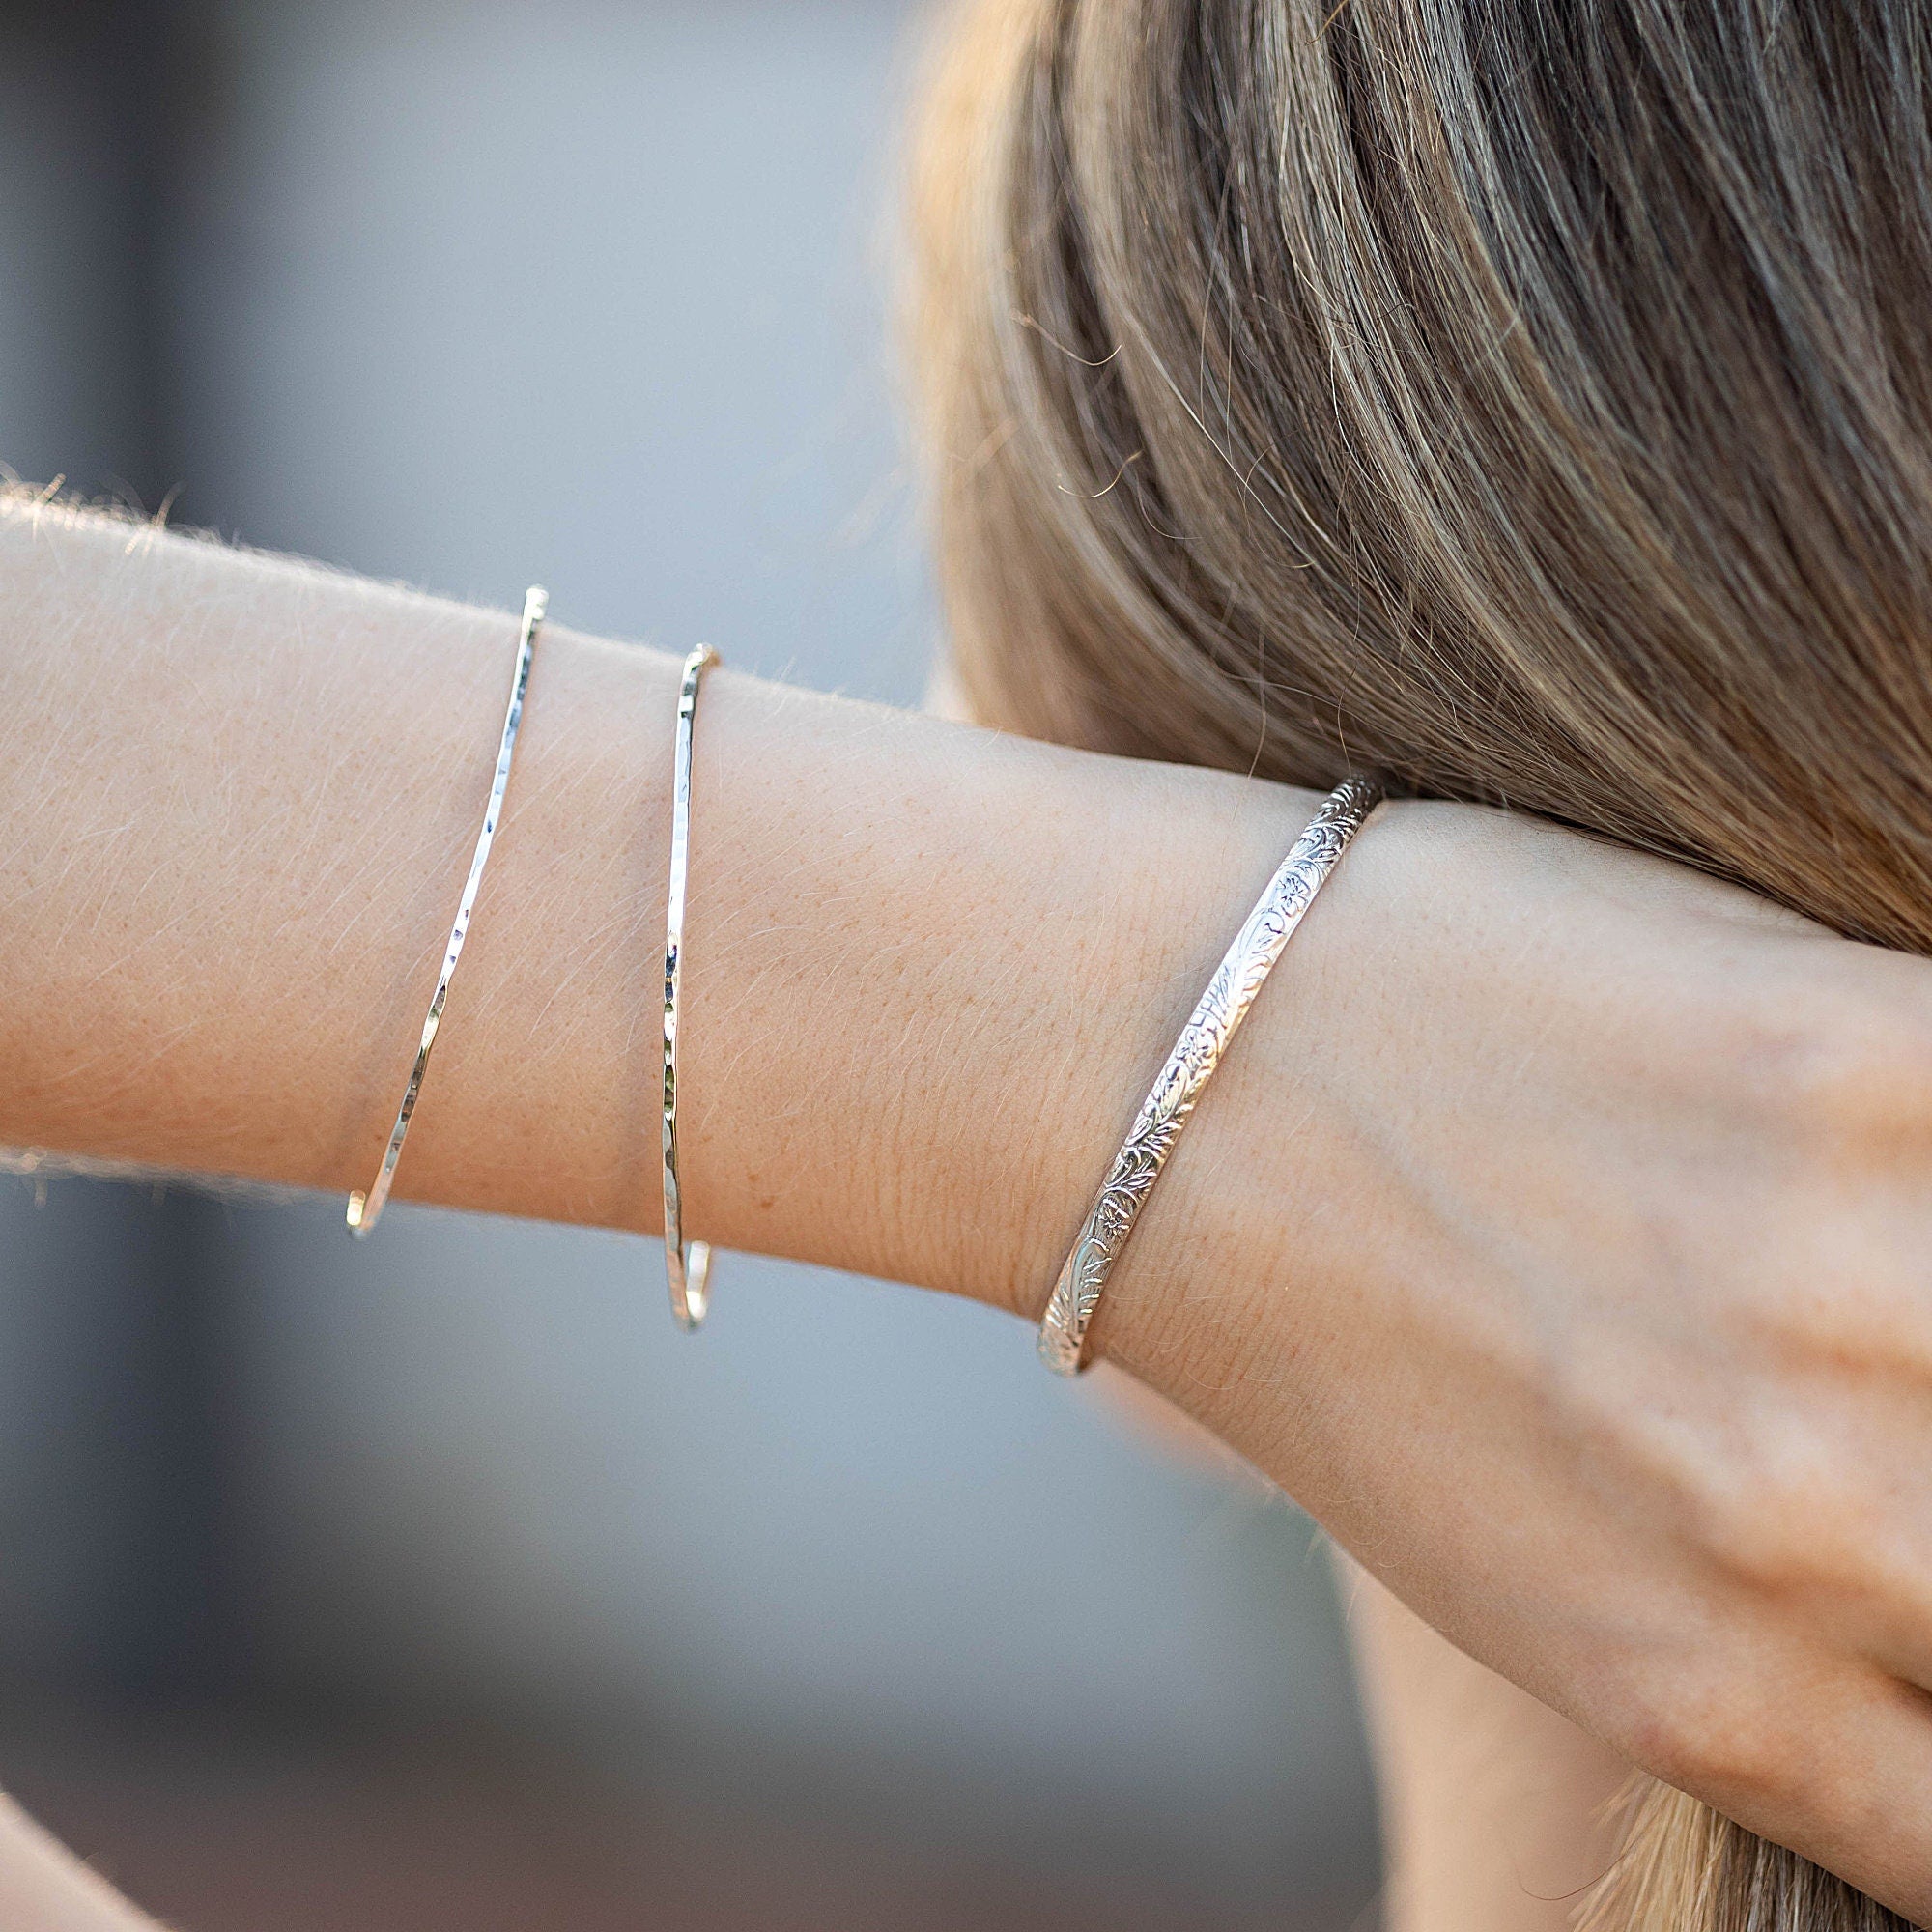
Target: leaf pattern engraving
{"x":1221,"y":1008}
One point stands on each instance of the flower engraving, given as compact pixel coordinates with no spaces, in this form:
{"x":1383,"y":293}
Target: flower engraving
{"x":1221,"y":1008}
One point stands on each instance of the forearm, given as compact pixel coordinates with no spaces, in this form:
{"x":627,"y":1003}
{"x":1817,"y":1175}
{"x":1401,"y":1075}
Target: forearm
{"x":927,"y":968}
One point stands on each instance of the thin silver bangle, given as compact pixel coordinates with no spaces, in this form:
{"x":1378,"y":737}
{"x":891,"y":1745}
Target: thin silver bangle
{"x":1230,"y":992}
{"x":687,"y":1270}
{"x":365,"y":1209}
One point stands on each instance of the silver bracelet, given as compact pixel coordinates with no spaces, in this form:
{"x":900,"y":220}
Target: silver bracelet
{"x":364,"y":1209}
{"x":687,"y":1270}
{"x":1230,"y":992}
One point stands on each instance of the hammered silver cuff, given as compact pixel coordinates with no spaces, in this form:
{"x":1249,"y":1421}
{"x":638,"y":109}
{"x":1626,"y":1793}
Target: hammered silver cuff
{"x":365,"y":1205}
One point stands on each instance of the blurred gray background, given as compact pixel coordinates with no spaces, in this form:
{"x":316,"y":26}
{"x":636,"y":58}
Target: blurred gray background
{"x":438,"y":1582}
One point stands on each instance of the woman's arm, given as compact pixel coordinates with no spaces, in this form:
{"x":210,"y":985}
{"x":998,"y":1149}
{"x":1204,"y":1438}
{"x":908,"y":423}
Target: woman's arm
{"x":1559,"y":1229}
{"x":925,"y":965}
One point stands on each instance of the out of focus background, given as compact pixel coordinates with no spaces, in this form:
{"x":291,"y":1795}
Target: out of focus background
{"x":437,"y":1581}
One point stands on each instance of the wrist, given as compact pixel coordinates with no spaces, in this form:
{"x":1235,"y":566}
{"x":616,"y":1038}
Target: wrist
{"x":1280,"y":1218}
{"x":994,"y":943}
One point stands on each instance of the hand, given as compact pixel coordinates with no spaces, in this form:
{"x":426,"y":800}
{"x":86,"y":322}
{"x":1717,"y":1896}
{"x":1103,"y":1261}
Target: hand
{"x":1559,"y":1233}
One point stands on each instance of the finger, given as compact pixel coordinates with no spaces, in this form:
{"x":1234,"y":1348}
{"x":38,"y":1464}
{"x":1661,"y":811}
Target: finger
{"x":1835,"y":1763}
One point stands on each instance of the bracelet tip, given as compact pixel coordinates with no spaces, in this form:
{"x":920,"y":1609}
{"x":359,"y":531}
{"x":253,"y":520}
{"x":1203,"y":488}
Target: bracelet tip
{"x":1070,"y":1363}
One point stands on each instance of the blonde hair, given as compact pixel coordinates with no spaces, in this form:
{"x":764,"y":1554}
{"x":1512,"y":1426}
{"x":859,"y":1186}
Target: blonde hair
{"x":1528,"y":398}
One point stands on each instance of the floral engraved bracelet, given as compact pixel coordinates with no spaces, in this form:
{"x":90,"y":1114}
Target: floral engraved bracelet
{"x":1230,"y":992}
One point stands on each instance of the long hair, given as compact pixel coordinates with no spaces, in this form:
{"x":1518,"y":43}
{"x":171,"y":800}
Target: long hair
{"x":1528,"y":398}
